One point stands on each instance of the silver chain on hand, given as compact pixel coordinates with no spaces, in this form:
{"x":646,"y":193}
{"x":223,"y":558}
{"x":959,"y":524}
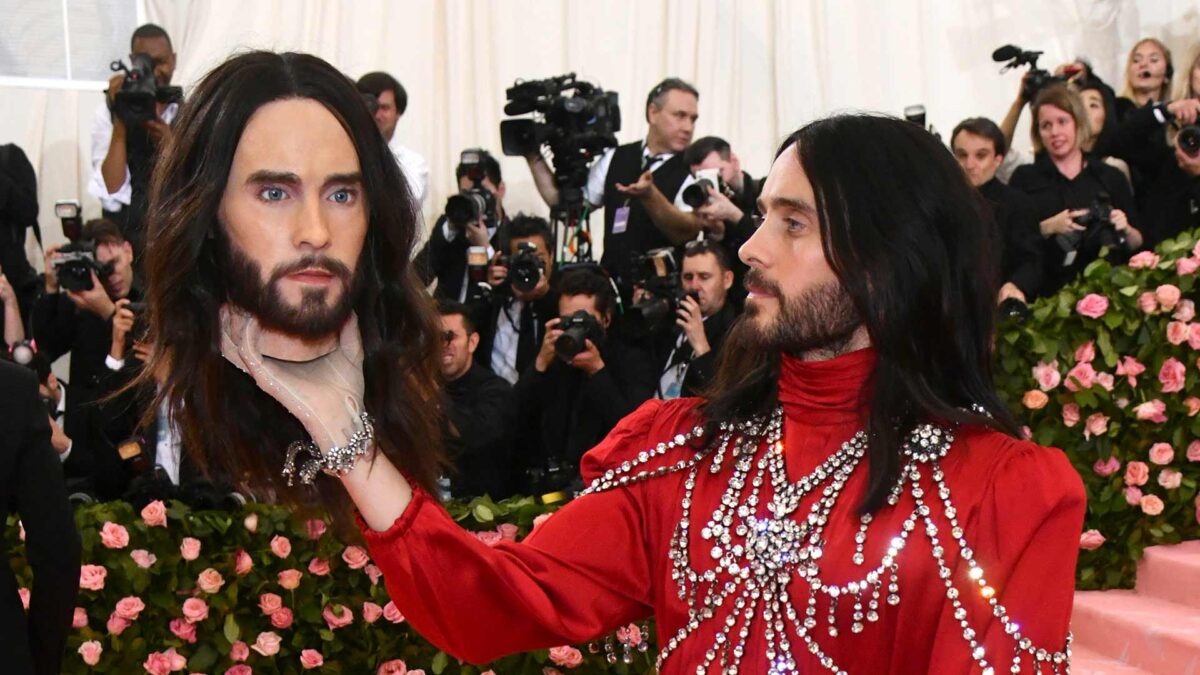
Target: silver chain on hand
{"x":336,"y":462}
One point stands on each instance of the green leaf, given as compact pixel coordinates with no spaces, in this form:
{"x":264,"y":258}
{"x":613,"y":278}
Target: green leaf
{"x":232,"y":631}
{"x":440,"y":661}
{"x":204,"y":658}
{"x":483,"y":514}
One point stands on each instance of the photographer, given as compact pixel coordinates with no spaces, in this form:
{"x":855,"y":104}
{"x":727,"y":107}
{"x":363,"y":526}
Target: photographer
{"x":124,"y":145}
{"x":53,"y":396}
{"x":579,"y":386}
{"x":727,"y":212}
{"x":480,"y":410}
{"x":639,"y":184}
{"x":390,"y":102}
{"x":474,"y":218}
{"x":18,"y":212}
{"x":688,"y":355}
{"x":979,"y":147}
{"x":81,"y":321}
{"x":1081,"y":204}
{"x":514,"y":315}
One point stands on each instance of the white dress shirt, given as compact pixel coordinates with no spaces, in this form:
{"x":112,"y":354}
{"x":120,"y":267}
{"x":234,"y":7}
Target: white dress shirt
{"x":102,"y":127}
{"x":415,"y":168}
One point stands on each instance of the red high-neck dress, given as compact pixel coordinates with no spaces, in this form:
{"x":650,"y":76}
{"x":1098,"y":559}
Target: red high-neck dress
{"x":602,"y":561}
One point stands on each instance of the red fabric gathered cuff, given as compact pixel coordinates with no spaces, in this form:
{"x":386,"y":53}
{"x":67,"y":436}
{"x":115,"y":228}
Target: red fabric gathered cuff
{"x":403,"y":523}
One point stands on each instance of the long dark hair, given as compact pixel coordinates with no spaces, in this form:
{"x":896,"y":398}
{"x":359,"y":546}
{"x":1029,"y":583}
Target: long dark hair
{"x":915,"y":247}
{"x":231,"y":428}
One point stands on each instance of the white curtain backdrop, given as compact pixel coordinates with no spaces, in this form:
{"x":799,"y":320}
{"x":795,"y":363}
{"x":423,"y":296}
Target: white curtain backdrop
{"x":763,"y":67}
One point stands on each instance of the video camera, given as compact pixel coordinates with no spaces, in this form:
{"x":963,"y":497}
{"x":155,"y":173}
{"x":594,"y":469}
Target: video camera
{"x":134,"y":103}
{"x":576,"y":128}
{"x":475,"y":202}
{"x":1038,"y":79}
{"x":76,"y":260}
{"x":657,"y":274}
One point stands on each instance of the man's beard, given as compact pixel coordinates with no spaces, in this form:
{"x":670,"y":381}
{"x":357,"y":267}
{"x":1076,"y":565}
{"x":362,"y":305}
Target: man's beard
{"x":822,"y":318}
{"x":312,"y":318}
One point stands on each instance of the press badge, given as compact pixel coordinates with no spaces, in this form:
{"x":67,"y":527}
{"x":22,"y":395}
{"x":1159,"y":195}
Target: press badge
{"x":620,"y":220}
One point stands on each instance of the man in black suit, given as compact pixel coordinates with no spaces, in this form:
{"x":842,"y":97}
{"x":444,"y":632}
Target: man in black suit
{"x":31,"y":485}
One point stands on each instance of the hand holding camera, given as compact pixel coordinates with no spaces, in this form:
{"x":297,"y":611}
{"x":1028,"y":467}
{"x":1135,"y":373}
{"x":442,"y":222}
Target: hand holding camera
{"x":93,"y":299}
{"x":128,"y":319}
{"x":690,"y":320}
{"x":1063,"y":222}
{"x":720,"y":208}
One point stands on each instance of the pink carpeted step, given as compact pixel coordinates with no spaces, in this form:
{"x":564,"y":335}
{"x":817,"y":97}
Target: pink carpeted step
{"x":1087,"y":662}
{"x":1172,"y":573}
{"x":1150,"y":633}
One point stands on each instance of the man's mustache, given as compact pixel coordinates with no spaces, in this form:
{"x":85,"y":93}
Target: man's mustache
{"x":330,"y":265}
{"x":755,"y":279}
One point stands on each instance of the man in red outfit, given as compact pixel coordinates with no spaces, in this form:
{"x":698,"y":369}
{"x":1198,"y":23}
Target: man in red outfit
{"x":852,"y":496}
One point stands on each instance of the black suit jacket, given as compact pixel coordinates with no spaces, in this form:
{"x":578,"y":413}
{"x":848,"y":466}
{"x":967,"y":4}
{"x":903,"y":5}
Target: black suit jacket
{"x":446,"y":261}
{"x":31,"y":485}
{"x":701,"y":369}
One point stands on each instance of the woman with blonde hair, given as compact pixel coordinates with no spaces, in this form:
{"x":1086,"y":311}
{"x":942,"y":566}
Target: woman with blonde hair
{"x":1148,"y":71}
{"x":1187,"y":85}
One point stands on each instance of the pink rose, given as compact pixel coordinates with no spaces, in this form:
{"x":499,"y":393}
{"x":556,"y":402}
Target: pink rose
{"x":542,"y":518}
{"x":356,"y":558}
{"x":507,"y":531}
{"x":113,"y":535}
{"x":243,"y":563}
{"x":566,"y":656}
{"x":155,"y":514}
{"x":1152,"y":411}
{"x":1035,"y":399}
{"x":1107,"y":467}
{"x":210,"y":581}
{"x":318,"y":567}
{"x":371,"y":612}
{"x":129,"y":608}
{"x":240,"y":669}
{"x":1147,"y":302}
{"x":1144,"y":260}
{"x":269,"y":603}
{"x":551,"y":671}
{"x":24,"y":594}
{"x":1091,"y":540}
{"x":1070,"y":414}
{"x":1085,"y":352}
{"x":1097,"y":425}
{"x":162,"y":663}
{"x":337,"y":616}
{"x":315,"y":528}
{"x":1131,"y":368}
{"x":1161,"y":454}
{"x":1193,"y":405}
{"x":290,"y":579}
{"x":195,"y":610}
{"x":1194,"y":335}
{"x":1185,"y":311}
{"x":267,"y":644}
{"x":250,"y":522}
{"x":1178,"y":332}
{"x":1092,"y":306}
{"x":1196,"y":253}
{"x":282,"y":618}
{"x":392,"y":613}
{"x":239,"y":651}
{"x":491,"y":538}
{"x":91,"y":577}
{"x":189,"y":549}
{"x":183,"y":630}
{"x":1047,"y":375}
{"x":90,"y":652}
{"x":143,"y":558}
{"x":1193,"y":451}
{"x":80,"y":619}
{"x":629,"y":635}
{"x":1136,"y":473}
{"x":1151,"y":505}
{"x":1172,"y":375}
{"x":1170,"y":478}
{"x":311,"y":658}
{"x":1186,"y":266}
{"x":116,"y":625}
{"x":280,"y":546}
{"x":374,"y":573}
{"x":1106,"y":380}
{"x":393,"y":667}
{"x":1168,"y":296}
{"x":1133,"y":496}
{"x":1082,"y":376}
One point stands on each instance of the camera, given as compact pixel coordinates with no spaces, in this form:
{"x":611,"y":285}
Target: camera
{"x":135,"y":102}
{"x":139,"y":320}
{"x":1189,"y":140}
{"x":476,"y":202}
{"x":1100,"y":230}
{"x":525,"y":267}
{"x":1038,"y":78}
{"x":577,"y":329}
{"x":76,"y":260}
{"x":696,"y":194}
{"x":22,"y":352}
{"x":657,"y":274}
{"x":577,"y":128}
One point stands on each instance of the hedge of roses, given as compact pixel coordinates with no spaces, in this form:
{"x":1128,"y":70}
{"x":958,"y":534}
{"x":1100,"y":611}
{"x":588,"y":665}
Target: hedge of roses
{"x":1107,"y":370}
{"x":169,"y":589}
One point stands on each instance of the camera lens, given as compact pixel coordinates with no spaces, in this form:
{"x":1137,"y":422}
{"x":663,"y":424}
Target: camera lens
{"x":696,"y":194}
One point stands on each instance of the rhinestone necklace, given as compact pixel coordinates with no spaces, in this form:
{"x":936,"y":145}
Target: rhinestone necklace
{"x":759,"y":543}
